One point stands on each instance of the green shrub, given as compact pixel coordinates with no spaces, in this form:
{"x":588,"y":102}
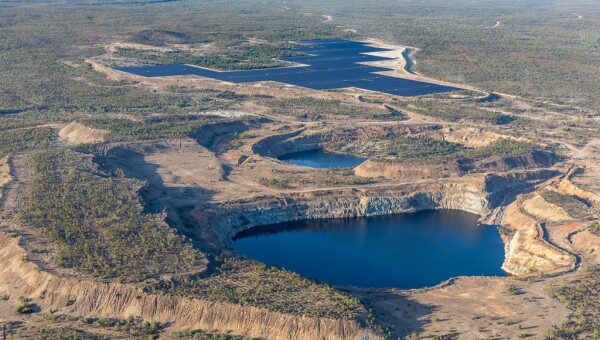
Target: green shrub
{"x":594,"y":228}
{"x":25,"y":307}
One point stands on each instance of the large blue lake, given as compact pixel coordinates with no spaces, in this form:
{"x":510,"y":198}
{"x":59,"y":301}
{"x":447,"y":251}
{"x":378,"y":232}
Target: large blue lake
{"x":322,"y":159}
{"x":328,"y":64}
{"x":401,"y":251}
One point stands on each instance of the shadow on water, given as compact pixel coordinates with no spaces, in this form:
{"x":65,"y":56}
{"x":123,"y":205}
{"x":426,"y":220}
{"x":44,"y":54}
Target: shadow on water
{"x":321,"y":159}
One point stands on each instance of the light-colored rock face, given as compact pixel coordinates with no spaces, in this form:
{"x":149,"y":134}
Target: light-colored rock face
{"x":76,"y":133}
{"x":404,"y":171}
{"x":479,"y":195}
{"x":526,"y":253}
{"x":243,"y":215}
{"x":408,"y":170}
{"x":472,"y":137}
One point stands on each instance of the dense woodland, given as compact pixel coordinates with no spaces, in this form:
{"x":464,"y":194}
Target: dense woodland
{"x":157,"y":127}
{"x":99,"y":222}
{"x":254,"y":284}
{"x":424,"y":149}
{"x":26,"y":139}
{"x":239,"y":58}
{"x":311,"y":109}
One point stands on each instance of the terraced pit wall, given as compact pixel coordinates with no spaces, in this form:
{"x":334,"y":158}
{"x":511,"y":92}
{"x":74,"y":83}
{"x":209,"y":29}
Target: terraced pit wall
{"x":479,"y":195}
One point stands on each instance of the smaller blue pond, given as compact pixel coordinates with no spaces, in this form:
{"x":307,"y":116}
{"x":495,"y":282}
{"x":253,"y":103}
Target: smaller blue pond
{"x":402,"y":251}
{"x":322,"y":159}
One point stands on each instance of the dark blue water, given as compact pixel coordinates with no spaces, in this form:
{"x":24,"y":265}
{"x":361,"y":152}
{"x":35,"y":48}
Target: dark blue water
{"x":322,"y":159}
{"x":330,"y":64}
{"x":400,"y":251}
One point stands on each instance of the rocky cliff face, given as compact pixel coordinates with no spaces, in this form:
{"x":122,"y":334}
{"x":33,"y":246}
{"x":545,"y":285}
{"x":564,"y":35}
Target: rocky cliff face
{"x":504,"y":188}
{"x":278,"y":145}
{"x":478,"y":195}
{"x":405,"y":171}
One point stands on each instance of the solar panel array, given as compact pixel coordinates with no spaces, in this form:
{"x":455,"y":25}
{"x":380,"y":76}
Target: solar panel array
{"x":326,"y":64}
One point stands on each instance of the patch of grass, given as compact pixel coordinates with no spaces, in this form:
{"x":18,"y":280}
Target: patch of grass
{"x":424,"y":149}
{"x":171,"y":126}
{"x":399,"y":148}
{"x":204,"y":335}
{"x":514,"y":290}
{"x":455,"y":112}
{"x":310,"y":109}
{"x":503,"y":147}
{"x":594,"y":228}
{"x":48,"y":331}
{"x":27,"y":139}
{"x":131,"y":326}
{"x":326,"y":177}
{"x":25,"y":306}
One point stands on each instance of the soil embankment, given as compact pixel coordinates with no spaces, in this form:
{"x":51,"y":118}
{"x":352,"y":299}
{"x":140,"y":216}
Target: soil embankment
{"x":77,"y":133}
{"x":94,"y":299}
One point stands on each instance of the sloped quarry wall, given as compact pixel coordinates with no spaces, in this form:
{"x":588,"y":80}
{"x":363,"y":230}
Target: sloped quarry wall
{"x":278,"y":145}
{"x":207,"y":134}
{"x":95,"y":299}
{"x":414,"y":171}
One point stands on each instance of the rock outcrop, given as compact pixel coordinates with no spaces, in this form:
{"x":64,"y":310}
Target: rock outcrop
{"x":208,"y":134}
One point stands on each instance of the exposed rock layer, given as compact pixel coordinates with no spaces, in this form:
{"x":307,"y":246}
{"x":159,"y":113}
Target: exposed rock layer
{"x":479,"y":195}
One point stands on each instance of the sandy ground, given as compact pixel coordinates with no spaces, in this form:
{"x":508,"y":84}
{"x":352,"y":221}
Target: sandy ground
{"x":472,"y":308}
{"x":76,"y":133}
